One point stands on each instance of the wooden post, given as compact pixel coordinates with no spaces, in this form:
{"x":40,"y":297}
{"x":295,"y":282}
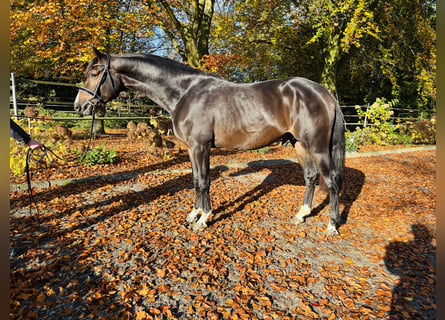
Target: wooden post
{"x":365,"y":122}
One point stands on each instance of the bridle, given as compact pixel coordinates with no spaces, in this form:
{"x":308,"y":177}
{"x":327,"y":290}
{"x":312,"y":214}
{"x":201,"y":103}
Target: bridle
{"x":95,"y":95}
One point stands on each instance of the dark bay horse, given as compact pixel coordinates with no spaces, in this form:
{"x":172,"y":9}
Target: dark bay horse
{"x":208,"y":111}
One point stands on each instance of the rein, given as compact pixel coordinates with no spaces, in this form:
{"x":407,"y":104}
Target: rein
{"x":46,"y":152}
{"x":95,"y":95}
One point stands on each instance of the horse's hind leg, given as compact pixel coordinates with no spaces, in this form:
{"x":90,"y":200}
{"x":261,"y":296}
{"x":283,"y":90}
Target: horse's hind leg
{"x":310,"y":178}
{"x":200,"y":159}
{"x":333,"y":181}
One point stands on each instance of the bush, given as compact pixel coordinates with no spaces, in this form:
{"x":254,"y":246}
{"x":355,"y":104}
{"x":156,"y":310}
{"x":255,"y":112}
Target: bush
{"x":17,"y":158}
{"x":379,"y":130}
{"x":99,"y":156}
{"x":351,"y":142}
{"x":422,"y":132}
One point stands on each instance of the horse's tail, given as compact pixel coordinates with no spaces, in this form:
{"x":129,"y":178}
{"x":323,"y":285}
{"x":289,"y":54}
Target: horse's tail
{"x":338,"y":146}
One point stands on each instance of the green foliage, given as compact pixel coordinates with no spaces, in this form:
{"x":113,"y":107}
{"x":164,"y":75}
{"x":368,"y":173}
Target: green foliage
{"x":351,"y":143}
{"x":382,"y":131}
{"x":100,"y":156}
{"x":58,"y":139}
{"x":379,"y":113}
{"x":378,"y":127}
{"x":372,"y":136}
{"x":352,"y":45}
{"x":408,"y":52}
{"x":17,"y":158}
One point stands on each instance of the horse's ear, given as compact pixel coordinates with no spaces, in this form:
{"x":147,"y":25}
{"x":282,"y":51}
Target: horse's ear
{"x":98,"y":53}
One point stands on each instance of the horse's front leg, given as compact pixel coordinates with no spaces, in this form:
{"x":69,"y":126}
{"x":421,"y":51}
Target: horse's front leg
{"x":200,"y":159}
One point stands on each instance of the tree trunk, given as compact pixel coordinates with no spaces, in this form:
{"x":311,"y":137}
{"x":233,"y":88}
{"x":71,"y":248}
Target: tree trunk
{"x":332,"y":55}
{"x":99,"y":127}
{"x":194,"y":35}
{"x":204,"y":25}
{"x":191,"y":50}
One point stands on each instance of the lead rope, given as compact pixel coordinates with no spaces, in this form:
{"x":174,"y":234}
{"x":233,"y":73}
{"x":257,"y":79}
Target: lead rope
{"x":46,"y":150}
{"x":94,"y":95}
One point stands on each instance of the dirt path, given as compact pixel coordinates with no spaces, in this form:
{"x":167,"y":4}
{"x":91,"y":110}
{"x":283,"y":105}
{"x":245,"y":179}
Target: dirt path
{"x":121,"y":249}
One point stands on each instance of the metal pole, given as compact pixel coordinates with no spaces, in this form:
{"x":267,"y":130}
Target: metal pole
{"x":14,"y":100}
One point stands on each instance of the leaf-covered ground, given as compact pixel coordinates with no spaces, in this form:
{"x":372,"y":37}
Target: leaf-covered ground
{"x":121,"y":249}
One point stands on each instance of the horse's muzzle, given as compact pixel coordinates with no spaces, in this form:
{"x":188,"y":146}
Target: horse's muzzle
{"x":78,"y":109}
{"x":86,"y":110}
{"x":79,"y":105}
{"x":86,"y":107}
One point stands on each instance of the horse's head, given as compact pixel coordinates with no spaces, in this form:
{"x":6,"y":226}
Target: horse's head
{"x":101,"y":84}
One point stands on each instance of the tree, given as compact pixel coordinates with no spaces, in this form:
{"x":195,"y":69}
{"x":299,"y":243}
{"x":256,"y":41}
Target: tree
{"x":51,"y":39}
{"x":401,"y":63}
{"x":320,"y":35}
{"x":339,"y":27}
{"x":351,"y":47}
{"x":263,"y":39}
{"x":408,"y":56}
{"x":187,"y":25}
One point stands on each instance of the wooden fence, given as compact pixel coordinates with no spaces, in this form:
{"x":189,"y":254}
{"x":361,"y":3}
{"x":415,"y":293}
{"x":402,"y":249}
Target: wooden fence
{"x":123,"y":111}
{"x":136,"y":111}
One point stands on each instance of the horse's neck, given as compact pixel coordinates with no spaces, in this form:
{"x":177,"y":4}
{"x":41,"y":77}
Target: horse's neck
{"x":154,"y":90}
{"x":162,"y":85}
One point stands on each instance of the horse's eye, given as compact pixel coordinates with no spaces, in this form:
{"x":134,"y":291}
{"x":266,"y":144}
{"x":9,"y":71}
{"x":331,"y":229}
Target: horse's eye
{"x":95,"y":72}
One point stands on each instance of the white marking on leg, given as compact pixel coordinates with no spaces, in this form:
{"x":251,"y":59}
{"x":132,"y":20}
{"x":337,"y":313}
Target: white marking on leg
{"x":192,"y":215}
{"x":331,"y":230}
{"x":305,"y":210}
{"x":201,"y":224}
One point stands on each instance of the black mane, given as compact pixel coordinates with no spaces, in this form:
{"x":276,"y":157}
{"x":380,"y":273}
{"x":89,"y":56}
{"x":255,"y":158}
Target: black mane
{"x":166,"y":63}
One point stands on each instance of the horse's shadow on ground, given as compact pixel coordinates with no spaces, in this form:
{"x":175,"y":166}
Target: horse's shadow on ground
{"x":285,"y":172}
{"x":92,"y":183}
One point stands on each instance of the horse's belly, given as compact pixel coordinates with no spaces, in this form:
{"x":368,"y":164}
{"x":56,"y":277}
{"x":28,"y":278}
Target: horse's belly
{"x":247,"y":140}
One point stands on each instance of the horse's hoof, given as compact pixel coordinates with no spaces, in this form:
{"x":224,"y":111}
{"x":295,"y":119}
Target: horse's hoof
{"x":296,"y":221}
{"x":199,"y":226}
{"x":305,"y":210}
{"x":192,"y":216}
{"x":331,"y":230}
